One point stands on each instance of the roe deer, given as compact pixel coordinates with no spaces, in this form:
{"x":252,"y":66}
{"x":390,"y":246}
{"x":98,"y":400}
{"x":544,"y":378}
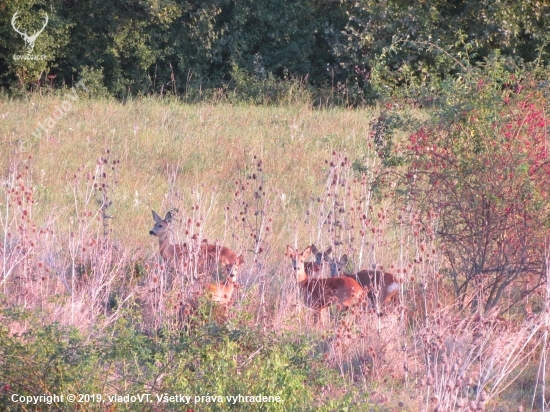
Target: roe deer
{"x":209,"y":256}
{"x":320,"y":293}
{"x":370,"y":280}
{"x":316,"y":267}
{"x":222,"y":293}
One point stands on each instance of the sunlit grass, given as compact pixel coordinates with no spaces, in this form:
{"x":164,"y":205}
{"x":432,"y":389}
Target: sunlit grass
{"x":255,"y":179}
{"x":167,"y":149}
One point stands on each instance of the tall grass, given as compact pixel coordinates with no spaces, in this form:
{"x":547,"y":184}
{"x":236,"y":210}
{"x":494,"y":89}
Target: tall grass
{"x":76,"y":212}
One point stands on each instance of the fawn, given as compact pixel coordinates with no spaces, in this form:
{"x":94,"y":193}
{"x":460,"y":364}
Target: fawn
{"x":222,"y":293}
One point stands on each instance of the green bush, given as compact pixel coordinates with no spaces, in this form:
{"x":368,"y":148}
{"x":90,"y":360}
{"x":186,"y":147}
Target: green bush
{"x":350,"y":53}
{"x":395,"y":48}
{"x":209,"y":360}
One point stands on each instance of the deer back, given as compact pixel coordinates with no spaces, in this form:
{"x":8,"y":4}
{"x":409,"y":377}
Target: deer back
{"x":211,"y":257}
{"x":173,"y":254}
{"x":320,"y":293}
{"x":371,"y":280}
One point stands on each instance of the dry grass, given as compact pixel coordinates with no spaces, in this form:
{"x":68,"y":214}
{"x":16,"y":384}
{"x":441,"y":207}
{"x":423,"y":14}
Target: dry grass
{"x":255,"y":179}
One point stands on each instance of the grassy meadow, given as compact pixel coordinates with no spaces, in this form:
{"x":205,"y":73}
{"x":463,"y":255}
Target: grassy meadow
{"x":168,"y":151}
{"x":88,"y":306}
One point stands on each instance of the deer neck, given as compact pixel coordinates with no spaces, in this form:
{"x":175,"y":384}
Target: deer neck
{"x":229,"y":286}
{"x":301,"y":276}
{"x":164,"y":245}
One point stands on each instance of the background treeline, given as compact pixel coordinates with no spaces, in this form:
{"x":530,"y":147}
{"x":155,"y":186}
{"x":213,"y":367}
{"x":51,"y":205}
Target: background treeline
{"x":350,"y":51}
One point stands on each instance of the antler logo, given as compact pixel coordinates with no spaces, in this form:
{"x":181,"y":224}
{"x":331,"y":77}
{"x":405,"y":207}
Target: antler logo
{"x":28,"y":39}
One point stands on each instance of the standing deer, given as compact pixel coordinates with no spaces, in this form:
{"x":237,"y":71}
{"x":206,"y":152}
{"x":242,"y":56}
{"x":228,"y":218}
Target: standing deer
{"x":316,"y":267}
{"x":371,"y":280}
{"x":209,"y":255}
{"x":28,"y":39}
{"x":319,"y":294}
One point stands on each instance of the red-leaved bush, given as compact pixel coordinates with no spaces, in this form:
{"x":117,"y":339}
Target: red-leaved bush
{"x":485,"y":170}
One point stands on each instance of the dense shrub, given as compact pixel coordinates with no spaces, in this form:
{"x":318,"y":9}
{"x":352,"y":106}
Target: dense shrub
{"x":144,"y":47}
{"x":482,"y":167}
{"x":352,"y":52}
{"x":393,"y":47}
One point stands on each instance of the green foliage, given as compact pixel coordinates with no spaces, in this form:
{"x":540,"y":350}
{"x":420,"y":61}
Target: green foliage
{"x":94,"y":81}
{"x":407,"y":49}
{"x":173,"y":47}
{"x":50,"y":45}
{"x":266,"y":89}
{"x":45,"y":360}
{"x":260,"y":51}
{"x":208,"y":360}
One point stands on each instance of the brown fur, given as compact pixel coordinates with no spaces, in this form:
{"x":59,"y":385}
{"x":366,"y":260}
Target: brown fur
{"x":212,"y":255}
{"x":321,"y":293}
{"x":370,"y":280}
{"x":222,"y":293}
{"x":209,"y":256}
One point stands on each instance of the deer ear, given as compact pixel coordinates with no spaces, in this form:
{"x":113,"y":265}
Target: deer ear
{"x":240,"y":260}
{"x":306,"y":252}
{"x":156,"y":217}
{"x":168,"y":217}
{"x":328,"y":251}
{"x":314,"y":249}
{"x":328,"y":259}
{"x":289,"y":250}
{"x":343,"y":261}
